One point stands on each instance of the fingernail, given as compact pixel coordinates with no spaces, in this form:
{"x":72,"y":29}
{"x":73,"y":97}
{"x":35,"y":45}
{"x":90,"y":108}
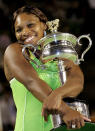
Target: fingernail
{"x":90,"y":119}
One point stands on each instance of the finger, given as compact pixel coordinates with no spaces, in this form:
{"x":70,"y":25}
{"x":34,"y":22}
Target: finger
{"x":69,"y":125}
{"x":45,"y":114}
{"x":82,"y":122}
{"x":86,"y":119}
{"x":55,"y":111}
{"x":42,"y":112}
{"x":73,"y":124}
{"x":78,"y":124}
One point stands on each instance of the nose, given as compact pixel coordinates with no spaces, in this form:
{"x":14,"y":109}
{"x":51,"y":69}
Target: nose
{"x":25,"y":33}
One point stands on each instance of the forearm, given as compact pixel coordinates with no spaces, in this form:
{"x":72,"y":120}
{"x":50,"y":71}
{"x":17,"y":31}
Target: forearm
{"x":72,"y":87}
{"x":55,"y":100}
{"x":39,"y":89}
{"x":69,"y":90}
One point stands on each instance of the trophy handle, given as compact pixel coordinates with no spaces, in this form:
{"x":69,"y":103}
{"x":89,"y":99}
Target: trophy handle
{"x":28,"y":58}
{"x":24,"y":49}
{"x":89,"y":46}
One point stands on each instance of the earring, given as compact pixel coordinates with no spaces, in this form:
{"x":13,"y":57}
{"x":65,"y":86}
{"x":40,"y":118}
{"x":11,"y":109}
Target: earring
{"x":45,"y":33}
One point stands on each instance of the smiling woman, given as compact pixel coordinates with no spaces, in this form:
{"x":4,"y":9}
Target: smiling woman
{"x":29,"y":29}
{"x":33,"y":87}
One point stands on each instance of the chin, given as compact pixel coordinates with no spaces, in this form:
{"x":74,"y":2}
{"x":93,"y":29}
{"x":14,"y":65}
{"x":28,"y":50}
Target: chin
{"x":31,"y":42}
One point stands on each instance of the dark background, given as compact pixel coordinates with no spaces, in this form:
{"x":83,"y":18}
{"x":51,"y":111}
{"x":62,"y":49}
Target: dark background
{"x":76,"y":17}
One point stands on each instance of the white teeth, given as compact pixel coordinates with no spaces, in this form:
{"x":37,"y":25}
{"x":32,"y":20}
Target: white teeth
{"x":29,"y":39}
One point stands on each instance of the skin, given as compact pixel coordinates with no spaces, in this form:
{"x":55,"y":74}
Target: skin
{"x":29,"y":26}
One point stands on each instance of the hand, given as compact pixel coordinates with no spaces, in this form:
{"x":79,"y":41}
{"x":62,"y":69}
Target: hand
{"x":52,"y":105}
{"x":73,"y":119}
{"x":92,"y":117}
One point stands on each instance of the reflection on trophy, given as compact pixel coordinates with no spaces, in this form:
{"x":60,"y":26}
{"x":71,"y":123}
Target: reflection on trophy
{"x":57,"y":46}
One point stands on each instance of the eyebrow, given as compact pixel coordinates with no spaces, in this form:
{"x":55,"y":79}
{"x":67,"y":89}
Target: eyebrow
{"x":18,"y":26}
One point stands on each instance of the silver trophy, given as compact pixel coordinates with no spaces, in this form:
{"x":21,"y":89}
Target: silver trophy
{"x":57,"y":46}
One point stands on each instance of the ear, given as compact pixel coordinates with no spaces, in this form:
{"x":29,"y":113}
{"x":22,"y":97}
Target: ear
{"x":44,"y":26}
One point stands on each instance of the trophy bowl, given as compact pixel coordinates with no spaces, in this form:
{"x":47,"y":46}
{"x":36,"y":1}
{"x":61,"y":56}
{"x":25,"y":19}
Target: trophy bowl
{"x":62,"y":45}
{"x":58,"y":45}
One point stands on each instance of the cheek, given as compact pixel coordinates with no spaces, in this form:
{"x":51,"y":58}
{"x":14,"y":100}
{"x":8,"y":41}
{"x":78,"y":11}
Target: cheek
{"x":40,"y":31}
{"x":17,"y":36}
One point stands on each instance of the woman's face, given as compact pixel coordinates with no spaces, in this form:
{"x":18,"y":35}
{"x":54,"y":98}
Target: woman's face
{"x":28,"y":28}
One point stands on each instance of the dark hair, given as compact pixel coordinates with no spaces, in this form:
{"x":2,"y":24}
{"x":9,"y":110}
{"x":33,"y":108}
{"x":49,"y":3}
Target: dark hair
{"x":30,"y":10}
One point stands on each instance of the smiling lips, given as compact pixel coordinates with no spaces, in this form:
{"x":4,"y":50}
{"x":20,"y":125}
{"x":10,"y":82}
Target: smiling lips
{"x":29,"y":39}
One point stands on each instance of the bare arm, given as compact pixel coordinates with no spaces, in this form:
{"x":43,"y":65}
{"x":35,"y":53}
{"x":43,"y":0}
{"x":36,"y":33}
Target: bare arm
{"x":24,"y":72}
{"x":74,"y":83}
{"x":71,"y":88}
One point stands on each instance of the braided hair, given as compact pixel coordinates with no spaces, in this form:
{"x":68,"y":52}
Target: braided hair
{"x":30,"y":10}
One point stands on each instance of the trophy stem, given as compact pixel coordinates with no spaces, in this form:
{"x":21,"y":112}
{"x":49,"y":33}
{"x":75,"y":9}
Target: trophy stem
{"x":56,"y":119}
{"x":62,"y":72}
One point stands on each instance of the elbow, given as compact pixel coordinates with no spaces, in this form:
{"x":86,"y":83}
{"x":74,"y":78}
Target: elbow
{"x":78,"y":85}
{"x":78,"y":88}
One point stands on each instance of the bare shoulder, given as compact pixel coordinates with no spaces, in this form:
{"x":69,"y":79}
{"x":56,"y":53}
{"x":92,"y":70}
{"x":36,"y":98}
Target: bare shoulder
{"x":15,"y":64}
{"x":12,"y":49}
{"x":12,"y":53}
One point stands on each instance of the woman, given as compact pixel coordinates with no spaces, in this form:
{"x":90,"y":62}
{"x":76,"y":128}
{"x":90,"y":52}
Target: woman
{"x":30,"y":89}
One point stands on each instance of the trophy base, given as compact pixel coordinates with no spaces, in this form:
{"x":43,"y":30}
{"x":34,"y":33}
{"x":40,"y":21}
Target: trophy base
{"x":88,"y":127}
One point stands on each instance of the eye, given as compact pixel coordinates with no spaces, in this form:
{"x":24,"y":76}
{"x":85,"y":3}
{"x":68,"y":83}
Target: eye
{"x":30,"y":25}
{"x":19,"y":30}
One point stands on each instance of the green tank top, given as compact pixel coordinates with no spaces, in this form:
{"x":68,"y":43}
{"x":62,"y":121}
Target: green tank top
{"x":29,"y":108}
